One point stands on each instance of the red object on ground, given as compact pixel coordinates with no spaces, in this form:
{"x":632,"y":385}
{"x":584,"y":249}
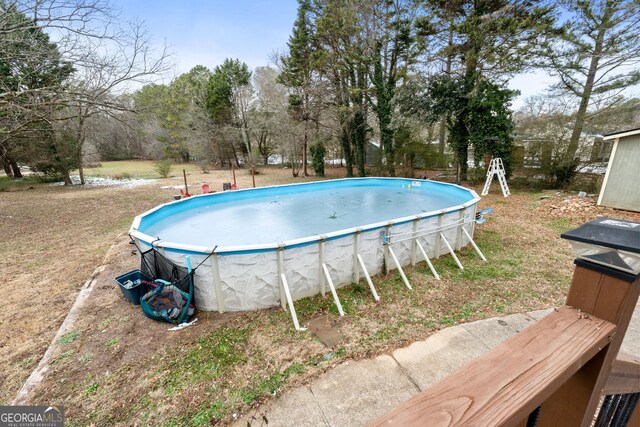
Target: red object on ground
{"x":184,"y":195}
{"x":206,"y":189}
{"x":233,"y":187}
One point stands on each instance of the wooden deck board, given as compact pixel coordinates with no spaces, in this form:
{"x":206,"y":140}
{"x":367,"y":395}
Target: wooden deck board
{"x":503,"y":386}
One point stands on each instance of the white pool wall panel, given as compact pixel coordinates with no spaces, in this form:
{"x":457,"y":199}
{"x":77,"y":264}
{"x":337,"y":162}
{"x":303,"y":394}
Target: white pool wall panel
{"x":302,"y":270}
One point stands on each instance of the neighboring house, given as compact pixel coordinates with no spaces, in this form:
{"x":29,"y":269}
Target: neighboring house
{"x":536,"y":147}
{"x":620,"y":187}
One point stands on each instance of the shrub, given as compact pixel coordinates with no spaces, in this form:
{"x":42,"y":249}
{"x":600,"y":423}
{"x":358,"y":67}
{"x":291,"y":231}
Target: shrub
{"x":317,"y":158}
{"x":123,"y":175}
{"x":163,"y":167}
{"x":204,"y":166}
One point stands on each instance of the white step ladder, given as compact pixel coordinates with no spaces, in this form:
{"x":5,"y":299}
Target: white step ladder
{"x":496,"y":168}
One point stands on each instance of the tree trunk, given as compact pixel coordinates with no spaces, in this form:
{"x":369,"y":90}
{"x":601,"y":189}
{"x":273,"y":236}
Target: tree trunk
{"x":7,"y":168}
{"x":80,"y":143}
{"x":346,"y":150}
{"x":305,"y":143}
{"x":15,"y":169}
{"x":81,"y":173}
{"x":67,"y":178}
{"x":409,"y":170}
{"x":581,"y":114}
{"x":442,"y":134}
{"x":461,"y":127}
{"x":442,"y":131}
{"x":384,"y":94}
{"x":463,"y":154}
{"x":461,"y":144}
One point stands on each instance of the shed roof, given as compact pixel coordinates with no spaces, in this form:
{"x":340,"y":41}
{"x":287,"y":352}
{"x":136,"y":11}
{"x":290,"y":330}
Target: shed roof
{"x":621,"y":134}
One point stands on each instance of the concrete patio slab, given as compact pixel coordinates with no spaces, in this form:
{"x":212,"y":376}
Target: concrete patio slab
{"x":492,"y":332}
{"x":297,"y":407}
{"x":427,"y":362}
{"x":355,"y":393}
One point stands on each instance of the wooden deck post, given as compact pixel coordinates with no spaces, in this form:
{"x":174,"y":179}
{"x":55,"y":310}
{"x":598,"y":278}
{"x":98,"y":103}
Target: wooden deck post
{"x":609,"y":295}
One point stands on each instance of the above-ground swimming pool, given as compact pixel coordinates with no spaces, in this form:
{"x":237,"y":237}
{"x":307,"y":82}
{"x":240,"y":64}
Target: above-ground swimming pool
{"x":263,"y":240}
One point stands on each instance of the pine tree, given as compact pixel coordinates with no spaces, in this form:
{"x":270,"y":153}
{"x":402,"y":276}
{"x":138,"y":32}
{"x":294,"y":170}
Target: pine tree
{"x":491,"y":40}
{"x":596,"y":57}
{"x":297,"y":73}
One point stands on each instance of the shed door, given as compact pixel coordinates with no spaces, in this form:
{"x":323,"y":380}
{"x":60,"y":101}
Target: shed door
{"x":622,"y":189}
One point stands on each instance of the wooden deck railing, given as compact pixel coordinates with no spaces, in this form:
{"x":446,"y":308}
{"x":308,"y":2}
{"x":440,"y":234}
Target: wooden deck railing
{"x":556,"y":369}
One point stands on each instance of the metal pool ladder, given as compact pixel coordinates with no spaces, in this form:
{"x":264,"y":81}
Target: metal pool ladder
{"x":496,"y":168}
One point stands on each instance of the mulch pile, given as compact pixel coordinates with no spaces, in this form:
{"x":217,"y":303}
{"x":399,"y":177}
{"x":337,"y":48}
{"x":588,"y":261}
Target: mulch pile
{"x":582,"y":208}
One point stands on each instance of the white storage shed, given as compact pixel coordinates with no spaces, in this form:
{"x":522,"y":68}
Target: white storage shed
{"x":621,"y":185}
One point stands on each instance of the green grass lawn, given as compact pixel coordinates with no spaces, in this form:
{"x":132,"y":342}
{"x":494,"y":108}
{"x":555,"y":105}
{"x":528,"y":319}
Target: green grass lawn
{"x":117,"y":170}
{"x":7,"y":184}
{"x":134,"y":169}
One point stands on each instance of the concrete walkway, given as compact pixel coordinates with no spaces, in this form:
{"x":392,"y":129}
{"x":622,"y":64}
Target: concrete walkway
{"x":355,"y":393}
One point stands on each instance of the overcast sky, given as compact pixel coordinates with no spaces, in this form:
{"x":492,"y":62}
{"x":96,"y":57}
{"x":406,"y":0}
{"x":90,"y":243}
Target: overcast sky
{"x":207,"y":32}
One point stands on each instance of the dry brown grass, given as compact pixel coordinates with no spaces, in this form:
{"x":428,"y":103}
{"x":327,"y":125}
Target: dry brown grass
{"x":53,"y":238}
{"x":123,"y":367}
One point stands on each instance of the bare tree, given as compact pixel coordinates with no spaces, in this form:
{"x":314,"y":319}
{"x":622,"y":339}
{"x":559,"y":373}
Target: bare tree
{"x":106,"y":53}
{"x":270,"y":111}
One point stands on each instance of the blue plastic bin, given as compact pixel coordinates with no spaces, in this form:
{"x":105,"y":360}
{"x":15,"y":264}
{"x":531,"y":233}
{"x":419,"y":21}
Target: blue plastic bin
{"x":132,"y":293}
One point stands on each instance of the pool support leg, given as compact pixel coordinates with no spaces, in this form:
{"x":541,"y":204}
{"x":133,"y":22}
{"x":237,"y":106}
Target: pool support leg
{"x":474,"y":245}
{"x":292,"y":309}
{"x":429,"y":263}
{"x":451,"y":251}
{"x":366,"y":275}
{"x":333,"y":289}
{"x":395,"y":259}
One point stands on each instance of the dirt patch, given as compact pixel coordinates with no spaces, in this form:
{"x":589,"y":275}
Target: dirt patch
{"x":324,"y":328}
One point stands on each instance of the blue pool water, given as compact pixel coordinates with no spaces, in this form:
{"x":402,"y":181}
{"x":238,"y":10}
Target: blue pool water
{"x":283,"y":213}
